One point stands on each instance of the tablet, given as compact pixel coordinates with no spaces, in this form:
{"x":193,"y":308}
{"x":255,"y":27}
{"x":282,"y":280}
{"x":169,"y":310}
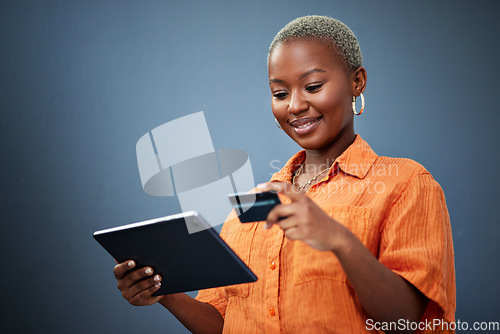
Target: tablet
{"x":186,"y":261}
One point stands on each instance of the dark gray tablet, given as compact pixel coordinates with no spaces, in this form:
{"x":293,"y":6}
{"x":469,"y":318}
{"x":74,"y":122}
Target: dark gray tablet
{"x":186,"y":261}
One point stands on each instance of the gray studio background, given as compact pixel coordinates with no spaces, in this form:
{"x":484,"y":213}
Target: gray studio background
{"x":82,"y":81}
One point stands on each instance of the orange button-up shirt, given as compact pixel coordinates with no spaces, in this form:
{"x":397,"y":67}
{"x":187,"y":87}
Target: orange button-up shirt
{"x":392,"y":205}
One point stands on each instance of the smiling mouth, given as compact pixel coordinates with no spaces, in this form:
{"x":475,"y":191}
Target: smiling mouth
{"x":306,"y":125}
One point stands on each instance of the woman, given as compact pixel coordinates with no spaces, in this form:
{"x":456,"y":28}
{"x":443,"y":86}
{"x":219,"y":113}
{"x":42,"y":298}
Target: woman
{"x":366,"y":243}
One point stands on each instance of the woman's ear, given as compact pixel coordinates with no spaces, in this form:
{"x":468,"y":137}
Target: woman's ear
{"x":359,"y":81}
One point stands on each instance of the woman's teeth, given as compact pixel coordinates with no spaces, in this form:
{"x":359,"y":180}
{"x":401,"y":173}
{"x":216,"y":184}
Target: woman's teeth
{"x":306,"y":128}
{"x":307,"y":124}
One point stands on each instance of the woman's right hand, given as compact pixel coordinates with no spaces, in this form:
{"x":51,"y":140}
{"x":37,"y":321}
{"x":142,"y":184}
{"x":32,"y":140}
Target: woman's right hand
{"x":137,"y":285}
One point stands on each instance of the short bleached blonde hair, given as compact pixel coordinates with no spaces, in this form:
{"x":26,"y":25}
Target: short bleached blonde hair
{"x":327,"y":29}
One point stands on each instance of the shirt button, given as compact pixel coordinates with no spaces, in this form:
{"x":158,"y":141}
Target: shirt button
{"x":272,"y":265}
{"x":272,"y":312}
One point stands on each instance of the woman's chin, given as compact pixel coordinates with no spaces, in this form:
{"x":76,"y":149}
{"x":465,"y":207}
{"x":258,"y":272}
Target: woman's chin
{"x":310,"y":144}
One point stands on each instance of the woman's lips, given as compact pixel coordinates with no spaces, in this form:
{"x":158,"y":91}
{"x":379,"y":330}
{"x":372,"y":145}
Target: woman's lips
{"x":305,"y":126}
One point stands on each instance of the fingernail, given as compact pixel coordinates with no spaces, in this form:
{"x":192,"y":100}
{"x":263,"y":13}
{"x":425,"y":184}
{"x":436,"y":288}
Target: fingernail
{"x":149,"y":271}
{"x":266,"y":227}
{"x":157,"y":278}
{"x":157,"y":285}
{"x":131,"y":264}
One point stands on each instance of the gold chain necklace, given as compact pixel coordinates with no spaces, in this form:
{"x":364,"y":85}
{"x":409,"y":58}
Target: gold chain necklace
{"x":299,"y":171}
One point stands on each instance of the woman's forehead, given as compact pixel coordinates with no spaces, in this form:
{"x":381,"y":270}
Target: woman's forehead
{"x":302,"y":55}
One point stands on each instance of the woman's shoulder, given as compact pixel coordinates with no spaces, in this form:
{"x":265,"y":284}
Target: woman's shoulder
{"x":401,"y":171}
{"x":404,"y":166}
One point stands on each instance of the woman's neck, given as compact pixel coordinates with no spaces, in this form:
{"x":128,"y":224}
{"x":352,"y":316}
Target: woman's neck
{"x":318,"y":160}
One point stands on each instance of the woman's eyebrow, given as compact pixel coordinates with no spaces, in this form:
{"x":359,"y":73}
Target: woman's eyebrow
{"x":315,"y":70}
{"x":276,"y":81}
{"x":302,"y":76}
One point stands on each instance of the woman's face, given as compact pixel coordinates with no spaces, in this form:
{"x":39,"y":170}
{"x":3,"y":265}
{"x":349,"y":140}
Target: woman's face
{"x":312,"y":93}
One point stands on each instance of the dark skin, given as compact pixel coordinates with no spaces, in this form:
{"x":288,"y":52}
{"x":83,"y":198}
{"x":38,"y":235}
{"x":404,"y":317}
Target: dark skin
{"x":309,"y":84}
{"x":138,"y":284}
{"x":312,"y":93}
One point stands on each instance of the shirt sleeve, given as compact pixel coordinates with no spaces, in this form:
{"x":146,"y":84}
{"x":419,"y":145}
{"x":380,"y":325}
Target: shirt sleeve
{"x":215,"y":297}
{"x":416,"y":243}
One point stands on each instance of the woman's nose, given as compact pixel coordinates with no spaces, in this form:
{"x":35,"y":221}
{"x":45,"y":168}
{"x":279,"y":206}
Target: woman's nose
{"x":297,"y":104}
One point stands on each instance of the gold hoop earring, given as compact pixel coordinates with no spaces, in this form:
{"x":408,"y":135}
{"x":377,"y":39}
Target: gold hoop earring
{"x":362,"y":104}
{"x":277,"y":124}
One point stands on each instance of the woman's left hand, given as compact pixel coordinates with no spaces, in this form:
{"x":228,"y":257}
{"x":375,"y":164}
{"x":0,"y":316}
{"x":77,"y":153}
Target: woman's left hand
{"x":304,"y":220}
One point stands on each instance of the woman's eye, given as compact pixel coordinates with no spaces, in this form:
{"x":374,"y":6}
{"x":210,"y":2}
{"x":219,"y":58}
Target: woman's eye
{"x":280,"y":95}
{"x":313,"y":88}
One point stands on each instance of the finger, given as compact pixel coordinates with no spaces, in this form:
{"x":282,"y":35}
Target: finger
{"x":282,"y":187}
{"x":254,"y":190}
{"x":142,"y":285}
{"x":291,"y":227}
{"x":268,"y":186}
{"x":293,"y":233}
{"x":287,"y":224}
{"x":133,"y":277}
{"x":145,"y":297}
{"x":122,"y":268}
{"x":280,"y":213}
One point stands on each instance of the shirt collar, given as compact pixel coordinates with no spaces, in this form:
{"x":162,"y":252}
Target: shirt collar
{"x":356,"y":160}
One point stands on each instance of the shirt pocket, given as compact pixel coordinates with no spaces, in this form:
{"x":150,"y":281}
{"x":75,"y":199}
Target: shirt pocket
{"x":310,"y":264}
{"x":240,"y":239}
